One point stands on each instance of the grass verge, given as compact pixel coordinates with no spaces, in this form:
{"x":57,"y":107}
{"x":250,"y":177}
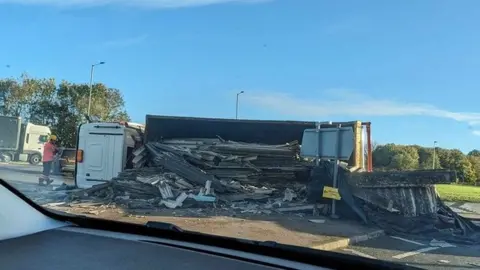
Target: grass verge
{"x":459,"y":193}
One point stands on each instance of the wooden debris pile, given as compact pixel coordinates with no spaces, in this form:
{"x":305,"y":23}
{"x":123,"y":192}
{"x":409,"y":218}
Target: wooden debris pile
{"x":154,"y":187}
{"x":247,"y":163}
{"x":192,"y":172}
{"x":126,"y":189}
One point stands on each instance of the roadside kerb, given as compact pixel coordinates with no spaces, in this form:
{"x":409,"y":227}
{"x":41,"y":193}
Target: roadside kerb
{"x":345,"y":242}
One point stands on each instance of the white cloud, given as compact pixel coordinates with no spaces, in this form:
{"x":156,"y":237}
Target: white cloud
{"x":138,"y":3}
{"x":346,"y":103}
{"x":126,"y":42}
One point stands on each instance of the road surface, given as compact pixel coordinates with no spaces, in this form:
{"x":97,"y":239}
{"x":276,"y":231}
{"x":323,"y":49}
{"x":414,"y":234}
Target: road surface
{"x":465,"y":208}
{"x":419,"y":253}
{"x":26,"y":173}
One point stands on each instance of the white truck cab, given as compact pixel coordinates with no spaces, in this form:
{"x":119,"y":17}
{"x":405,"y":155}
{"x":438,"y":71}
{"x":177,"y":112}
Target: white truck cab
{"x":34,"y":139}
{"x":103,"y":150}
{"x":21,"y":141}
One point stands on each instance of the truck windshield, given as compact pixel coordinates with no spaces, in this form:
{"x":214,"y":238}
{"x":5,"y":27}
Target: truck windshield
{"x":349,"y":126}
{"x":43,"y":138}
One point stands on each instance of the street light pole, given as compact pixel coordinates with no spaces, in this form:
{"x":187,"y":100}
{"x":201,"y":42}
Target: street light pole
{"x":434,"y":150}
{"x":91,"y":86}
{"x":236,"y":107}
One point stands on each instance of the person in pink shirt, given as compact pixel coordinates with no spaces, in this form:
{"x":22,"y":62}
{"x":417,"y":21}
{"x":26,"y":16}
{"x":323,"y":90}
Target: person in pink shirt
{"x":49,"y":151}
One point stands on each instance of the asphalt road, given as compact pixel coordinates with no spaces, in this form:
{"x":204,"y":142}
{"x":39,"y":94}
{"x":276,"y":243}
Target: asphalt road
{"x":418,"y":253}
{"x":462,"y":207}
{"x":26,"y":173}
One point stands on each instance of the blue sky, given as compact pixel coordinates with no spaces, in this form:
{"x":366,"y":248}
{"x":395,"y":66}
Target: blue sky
{"x":412,"y":68}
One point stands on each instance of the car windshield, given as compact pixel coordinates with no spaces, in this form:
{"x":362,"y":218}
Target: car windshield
{"x":349,"y":126}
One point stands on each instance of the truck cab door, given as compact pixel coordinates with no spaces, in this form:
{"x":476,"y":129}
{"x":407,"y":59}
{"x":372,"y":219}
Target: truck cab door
{"x":102,"y":148}
{"x":95,"y":157}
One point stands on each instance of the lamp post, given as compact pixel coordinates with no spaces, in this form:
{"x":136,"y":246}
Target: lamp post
{"x":236,"y":107}
{"x":91,"y":86}
{"x":434,"y":150}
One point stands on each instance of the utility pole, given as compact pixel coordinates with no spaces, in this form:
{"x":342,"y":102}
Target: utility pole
{"x":434,"y":150}
{"x":91,"y":86}
{"x":236,"y":107}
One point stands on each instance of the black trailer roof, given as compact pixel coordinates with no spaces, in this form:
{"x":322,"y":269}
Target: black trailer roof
{"x":254,"y":131}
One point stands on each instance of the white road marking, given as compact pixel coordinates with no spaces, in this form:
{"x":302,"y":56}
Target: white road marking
{"x":436,"y":243}
{"x":358,"y":253}
{"x":411,"y":253}
{"x":407,"y":240}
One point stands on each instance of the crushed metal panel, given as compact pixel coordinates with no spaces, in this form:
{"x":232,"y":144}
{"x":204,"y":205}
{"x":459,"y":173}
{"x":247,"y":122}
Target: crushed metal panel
{"x":412,"y":193}
{"x":410,"y":202}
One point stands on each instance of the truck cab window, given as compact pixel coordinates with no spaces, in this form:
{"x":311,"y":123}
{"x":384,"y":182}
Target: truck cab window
{"x":43,"y":138}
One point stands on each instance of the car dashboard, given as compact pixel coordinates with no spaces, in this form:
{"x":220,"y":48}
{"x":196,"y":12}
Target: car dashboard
{"x":75,"y":248}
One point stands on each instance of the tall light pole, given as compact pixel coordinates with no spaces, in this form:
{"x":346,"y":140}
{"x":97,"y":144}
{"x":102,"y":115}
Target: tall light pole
{"x":91,"y":86}
{"x":434,"y":150}
{"x":236,"y":107}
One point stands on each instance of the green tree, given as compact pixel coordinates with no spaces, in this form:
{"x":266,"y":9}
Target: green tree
{"x":23,"y":97}
{"x":447,"y":159}
{"x":72,"y":105}
{"x":411,"y":157}
{"x":107,"y":103}
{"x":425,"y":158}
{"x":454,"y":159}
{"x":382,"y":155}
{"x":474,"y":153}
{"x":475,"y":162}
{"x":465,"y":171}
{"x":396,"y":157}
{"x":6,"y":86}
{"x":62,"y":108}
{"x":405,"y":158}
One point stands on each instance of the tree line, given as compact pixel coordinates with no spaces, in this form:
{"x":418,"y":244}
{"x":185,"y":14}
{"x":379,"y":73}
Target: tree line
{"x":61,"y":106}
{"x":414,"y":157}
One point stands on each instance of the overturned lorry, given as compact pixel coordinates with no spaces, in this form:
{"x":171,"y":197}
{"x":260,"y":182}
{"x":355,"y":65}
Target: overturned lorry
{"x":254,"y":167}
{"x":106,"y":149}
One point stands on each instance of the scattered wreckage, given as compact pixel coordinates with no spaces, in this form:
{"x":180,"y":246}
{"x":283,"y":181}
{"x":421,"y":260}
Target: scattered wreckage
{"x":182,"y":173}
{"x":272,"y":179}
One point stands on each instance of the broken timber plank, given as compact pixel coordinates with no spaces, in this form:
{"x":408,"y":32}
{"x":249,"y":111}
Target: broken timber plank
{"x":176,"y":164}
